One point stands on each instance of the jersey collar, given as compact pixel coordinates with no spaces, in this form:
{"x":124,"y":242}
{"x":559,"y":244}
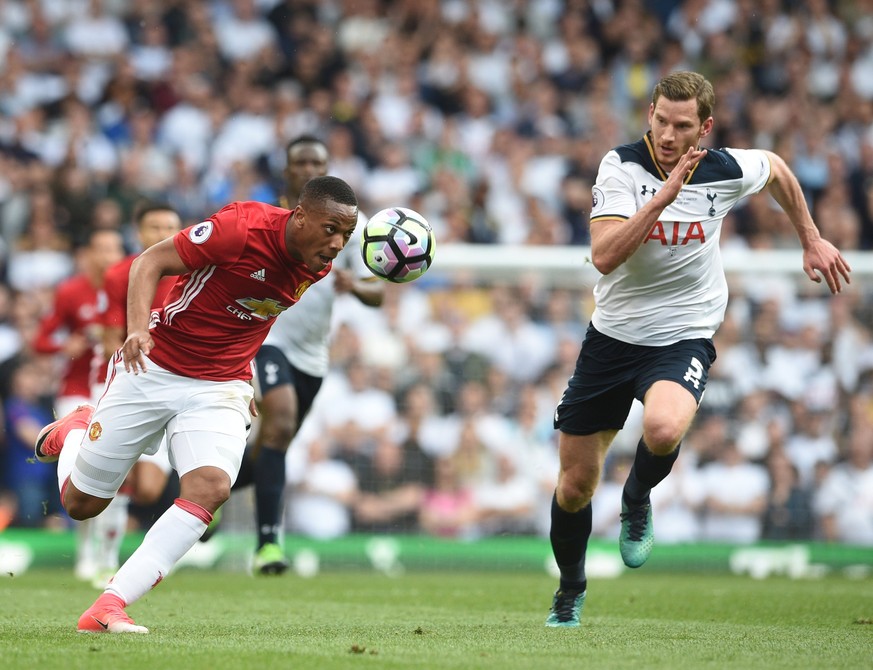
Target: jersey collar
{"x":647,"y":138}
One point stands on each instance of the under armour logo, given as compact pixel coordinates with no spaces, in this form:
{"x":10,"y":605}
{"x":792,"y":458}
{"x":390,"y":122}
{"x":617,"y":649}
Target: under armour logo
{"x":711,"y":197}
{"x":646,"y":190}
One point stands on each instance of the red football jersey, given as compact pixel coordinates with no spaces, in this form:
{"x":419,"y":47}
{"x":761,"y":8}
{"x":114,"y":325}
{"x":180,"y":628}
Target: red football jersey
{"x":75,"y":311}
{"x":216,"y":316}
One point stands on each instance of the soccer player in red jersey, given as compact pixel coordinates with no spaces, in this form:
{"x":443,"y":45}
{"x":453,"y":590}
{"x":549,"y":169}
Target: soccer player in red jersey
{"x":155,"y":222}
{"x":71,"y":327}
{"x":71,"y":331}
{"x":185,"y":371}
{"x":146,"y":482}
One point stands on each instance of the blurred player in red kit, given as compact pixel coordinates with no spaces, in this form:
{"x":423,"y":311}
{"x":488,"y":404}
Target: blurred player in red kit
{"x":146,"y":482}
{"x":71,"y":330}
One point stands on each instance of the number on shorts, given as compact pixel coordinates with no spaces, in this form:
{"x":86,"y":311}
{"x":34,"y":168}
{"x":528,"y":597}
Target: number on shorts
{"x":694,"y":373}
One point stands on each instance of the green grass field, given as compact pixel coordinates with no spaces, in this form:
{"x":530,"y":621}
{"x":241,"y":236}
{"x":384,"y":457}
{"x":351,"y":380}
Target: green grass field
{"x":211,"y":619}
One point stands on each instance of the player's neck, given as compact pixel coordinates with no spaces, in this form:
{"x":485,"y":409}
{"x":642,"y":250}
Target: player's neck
{"x":95,"y":277}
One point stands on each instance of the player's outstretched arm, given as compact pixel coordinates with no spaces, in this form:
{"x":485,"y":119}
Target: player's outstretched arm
{"x":145,"y":273}
{"x":819,"y":255}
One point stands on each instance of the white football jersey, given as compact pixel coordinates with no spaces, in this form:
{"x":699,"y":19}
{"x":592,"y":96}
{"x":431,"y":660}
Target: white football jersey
{"x":673,"y":286}
{"x":302,"y":333}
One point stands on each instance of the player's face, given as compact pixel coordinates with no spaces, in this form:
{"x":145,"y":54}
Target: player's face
{"x":157,"y":226}
{"x":105,"y":249}
{"x":305,"y":161}
{"x":675,"y":129}
{"x":319,"y":231}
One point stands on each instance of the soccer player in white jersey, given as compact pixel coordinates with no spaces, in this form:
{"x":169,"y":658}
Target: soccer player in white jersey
{"x":293,"y":361}
{"x":658,"y":206}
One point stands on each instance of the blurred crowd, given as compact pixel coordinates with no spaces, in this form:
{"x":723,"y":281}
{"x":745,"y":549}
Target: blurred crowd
{"x":490,"y":118}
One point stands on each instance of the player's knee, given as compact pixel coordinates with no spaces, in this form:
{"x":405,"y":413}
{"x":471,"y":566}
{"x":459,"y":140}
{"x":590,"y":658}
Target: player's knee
{"x":148,"y":493}
{"x":209,"y":487}
{"x":149,"y":484}
{"x":281,"y":429}
{"x":81,"y":506}
{"x":575,"y":491}
{"x":662,"y":437}
{"x":285,"y":433}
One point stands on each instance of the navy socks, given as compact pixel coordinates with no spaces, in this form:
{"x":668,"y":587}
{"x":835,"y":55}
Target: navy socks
{"x":269,"y":478}
{"x":569,"y":536}
{"x":647,"y":472}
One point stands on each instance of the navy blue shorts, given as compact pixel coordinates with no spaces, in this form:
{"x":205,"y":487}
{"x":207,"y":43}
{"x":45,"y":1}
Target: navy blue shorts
{"x":274,"y":369}
{"x":610,"y":374}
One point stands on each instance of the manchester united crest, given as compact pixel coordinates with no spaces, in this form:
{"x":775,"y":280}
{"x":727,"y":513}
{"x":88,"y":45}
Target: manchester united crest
{"x":95,"y":431}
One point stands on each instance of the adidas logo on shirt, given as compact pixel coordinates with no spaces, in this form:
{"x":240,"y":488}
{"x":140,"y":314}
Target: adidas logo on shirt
{"x":260,"y":275}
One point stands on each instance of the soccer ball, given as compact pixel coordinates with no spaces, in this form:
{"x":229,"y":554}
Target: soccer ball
{"x":398,"y":245}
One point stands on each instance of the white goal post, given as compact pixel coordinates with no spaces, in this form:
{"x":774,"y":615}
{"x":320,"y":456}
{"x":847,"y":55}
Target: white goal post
{"x":568,"y":266}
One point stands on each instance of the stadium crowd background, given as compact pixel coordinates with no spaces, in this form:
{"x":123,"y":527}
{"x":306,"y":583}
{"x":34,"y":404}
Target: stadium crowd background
{"x":489,"y":117}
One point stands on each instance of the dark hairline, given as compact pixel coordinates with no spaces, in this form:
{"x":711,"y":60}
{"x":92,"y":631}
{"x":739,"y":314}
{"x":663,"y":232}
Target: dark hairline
{"x":303,"y":139}
{"x":147,"y":208}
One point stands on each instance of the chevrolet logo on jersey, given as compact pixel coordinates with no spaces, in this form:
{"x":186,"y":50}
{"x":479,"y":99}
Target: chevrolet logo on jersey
{"x":262,"y":309}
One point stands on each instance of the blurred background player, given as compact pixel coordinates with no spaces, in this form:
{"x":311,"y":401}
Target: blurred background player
{"x":293,"y":361}
{"x":148,"y":478}
{"x":71,"y":330}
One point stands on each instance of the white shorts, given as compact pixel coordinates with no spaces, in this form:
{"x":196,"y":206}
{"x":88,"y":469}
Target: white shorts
{"x":205,"y":423}
{"x":161,"y":458}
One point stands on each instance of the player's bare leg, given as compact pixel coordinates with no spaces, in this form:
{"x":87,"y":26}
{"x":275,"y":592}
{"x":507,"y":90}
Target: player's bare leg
{"x":59,"y":441}
{"x":279,"y":423}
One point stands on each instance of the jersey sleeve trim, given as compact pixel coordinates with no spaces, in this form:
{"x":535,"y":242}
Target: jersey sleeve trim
{"x":608,"y":217}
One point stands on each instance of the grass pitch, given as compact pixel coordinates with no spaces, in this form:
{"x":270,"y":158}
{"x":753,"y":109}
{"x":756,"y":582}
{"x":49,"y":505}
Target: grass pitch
{"x":201,"y":619}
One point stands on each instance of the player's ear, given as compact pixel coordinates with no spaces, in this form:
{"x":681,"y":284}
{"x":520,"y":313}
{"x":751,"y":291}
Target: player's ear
{"x":706,"y":128}
{"x":299,"y":216}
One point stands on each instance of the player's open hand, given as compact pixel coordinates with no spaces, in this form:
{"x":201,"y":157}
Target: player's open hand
{"x":823,"y":257}
{"x":677,"y":176}
{"x":134,"y":350}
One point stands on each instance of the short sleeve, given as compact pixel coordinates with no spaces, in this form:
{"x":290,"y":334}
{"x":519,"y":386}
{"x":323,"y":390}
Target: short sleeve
{"x":613,"y":194}
{"x":756,"y":169}
{"x":219,"y":240}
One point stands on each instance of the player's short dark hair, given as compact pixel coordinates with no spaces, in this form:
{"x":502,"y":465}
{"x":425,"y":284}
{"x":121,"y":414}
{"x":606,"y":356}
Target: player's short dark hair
{"x":304,"y":139}
{"x":681,"y":86}
{"x":151,"y":206}
{"x":87,"y":238}
{"x":322,"y":189}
